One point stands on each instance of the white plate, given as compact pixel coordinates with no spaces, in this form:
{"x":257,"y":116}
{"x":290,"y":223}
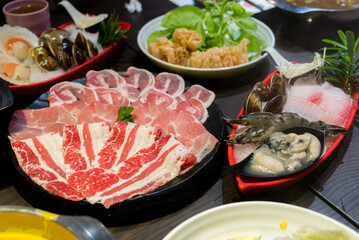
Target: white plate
{"x":202,"y":73}
{"x":257,"y":217}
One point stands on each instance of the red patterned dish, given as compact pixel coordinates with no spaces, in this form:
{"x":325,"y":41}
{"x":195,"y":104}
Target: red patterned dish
{"x":248,"y":187}
{"x":29,"y":90}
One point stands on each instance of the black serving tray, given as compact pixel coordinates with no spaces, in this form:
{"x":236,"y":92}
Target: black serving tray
{"x":169,"y":198}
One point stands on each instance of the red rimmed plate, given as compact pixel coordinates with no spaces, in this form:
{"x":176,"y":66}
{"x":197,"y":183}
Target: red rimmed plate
{"x":249,"y":187}
{"x":33,"y":89}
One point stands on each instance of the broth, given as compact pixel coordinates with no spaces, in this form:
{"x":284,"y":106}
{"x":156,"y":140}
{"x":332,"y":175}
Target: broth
{"x":326,"y":4}
{"x":26,"y":9}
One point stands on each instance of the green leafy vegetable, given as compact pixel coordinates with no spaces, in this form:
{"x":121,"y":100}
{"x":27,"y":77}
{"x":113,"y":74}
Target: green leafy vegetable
{"x":110,"y":31}
{"x":341,"y":66}
{"x":222,"y":23}
{"x":124,"y":114}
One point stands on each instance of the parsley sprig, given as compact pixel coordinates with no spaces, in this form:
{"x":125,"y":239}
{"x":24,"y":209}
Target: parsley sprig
{"x":110,"y":31}
{"x":342,"y":66}
{"x":124,"y":114}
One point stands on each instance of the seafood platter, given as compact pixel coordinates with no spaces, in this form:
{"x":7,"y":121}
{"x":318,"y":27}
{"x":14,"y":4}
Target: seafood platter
{"x":30,"y":65}
{"x":185,"y":56}
{"x":306,"y":103}
{"x":79,"y":160}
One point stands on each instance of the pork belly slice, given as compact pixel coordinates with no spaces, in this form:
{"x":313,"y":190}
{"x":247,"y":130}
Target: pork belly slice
{"x":139,"y":81}
{"x":98,"y":112}
{"x":188,"y":130}
{"x":42,"y":160}
{"x":145,"y":171}
{"x":29,"y":123}
{"x":81,"y":143}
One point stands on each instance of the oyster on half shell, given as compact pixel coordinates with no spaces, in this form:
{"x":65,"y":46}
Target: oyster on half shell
{"x":16,"y":41}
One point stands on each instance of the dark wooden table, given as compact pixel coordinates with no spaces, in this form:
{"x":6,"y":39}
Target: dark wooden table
{"x":332,"y":189}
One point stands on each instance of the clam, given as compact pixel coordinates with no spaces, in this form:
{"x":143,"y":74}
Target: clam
{"x":78,"y":55}
{"x":80,"y":41}
{"x":64,"y":59}
{"x":253,"y":103}
{"x":46,"y":33}
{"x":46,"y":62}
{"x":38,"y":50}
{"x":263,"y":91}
{"x":58,"y":36}
{"x":275,"y":105}
{"x":91,"y":49}
{"x":67,"y":46}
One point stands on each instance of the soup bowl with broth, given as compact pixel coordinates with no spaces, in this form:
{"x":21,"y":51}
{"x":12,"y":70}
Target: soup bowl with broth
{"x":31,"y":14}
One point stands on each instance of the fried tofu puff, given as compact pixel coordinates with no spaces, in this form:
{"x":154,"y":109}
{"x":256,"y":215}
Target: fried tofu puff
{"x":187,"y":38}
{"x":169,"y":51}
{"x":220,"y":57}
{"x":182,"y":51}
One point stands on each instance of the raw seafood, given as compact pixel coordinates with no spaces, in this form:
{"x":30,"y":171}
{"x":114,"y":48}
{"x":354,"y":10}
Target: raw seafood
{"x":262,"y":125}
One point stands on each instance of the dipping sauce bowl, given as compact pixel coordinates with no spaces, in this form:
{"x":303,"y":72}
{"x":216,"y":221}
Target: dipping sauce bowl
{"x":35,"y":15}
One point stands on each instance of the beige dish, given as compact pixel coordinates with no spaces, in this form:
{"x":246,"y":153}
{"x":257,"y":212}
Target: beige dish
{"x":201,"y":73}
{"x":253,"y":218}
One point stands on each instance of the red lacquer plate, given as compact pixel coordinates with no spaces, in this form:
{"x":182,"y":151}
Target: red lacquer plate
{"x":30,"y":90}
{"x":250,"y":187}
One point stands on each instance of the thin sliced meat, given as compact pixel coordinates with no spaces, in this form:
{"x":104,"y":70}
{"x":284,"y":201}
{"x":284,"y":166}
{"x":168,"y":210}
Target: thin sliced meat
{"x":105,"y":79}
{"x":70,"y":92}
{"x":195,"y":107}
{"x":159,"y":98}
{"x":144,"y":113}
{"x":199,"y":92}
{"x":112,"y":96}
{"x":147,"y":170}
{"x":98,"y":112}
{"x":29,"y":123}
{"x":138,"y":82}
{"x":81,"y":144}
{"x":41,"y":159}
{"x":188,"y":130}
{"x":125,"y":140}
{"x":170,"y":83}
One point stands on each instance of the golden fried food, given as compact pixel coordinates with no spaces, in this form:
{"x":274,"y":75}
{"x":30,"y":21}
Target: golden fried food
{"x":220,"y":57}
{"x":169,"y":51}
{"x":187,"y":38}
{"x":182,"y":51}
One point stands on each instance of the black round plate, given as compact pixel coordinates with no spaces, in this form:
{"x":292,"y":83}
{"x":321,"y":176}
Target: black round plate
{"x":169,"y":198}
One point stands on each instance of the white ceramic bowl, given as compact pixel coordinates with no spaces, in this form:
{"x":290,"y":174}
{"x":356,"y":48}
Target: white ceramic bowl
{"x":201,"y":73}
{"x":256,"y":217}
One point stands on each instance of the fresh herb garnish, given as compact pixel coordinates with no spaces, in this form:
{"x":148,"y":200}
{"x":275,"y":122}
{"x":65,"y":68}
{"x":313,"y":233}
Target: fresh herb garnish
{"x":110,"y":31}
{"x":124,"y":114}
{"x":222,"y":23}
{"x":341,"y":68}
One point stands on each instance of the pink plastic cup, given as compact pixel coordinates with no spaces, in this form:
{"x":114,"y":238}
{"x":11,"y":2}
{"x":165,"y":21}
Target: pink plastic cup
{"x":37,"y":21}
